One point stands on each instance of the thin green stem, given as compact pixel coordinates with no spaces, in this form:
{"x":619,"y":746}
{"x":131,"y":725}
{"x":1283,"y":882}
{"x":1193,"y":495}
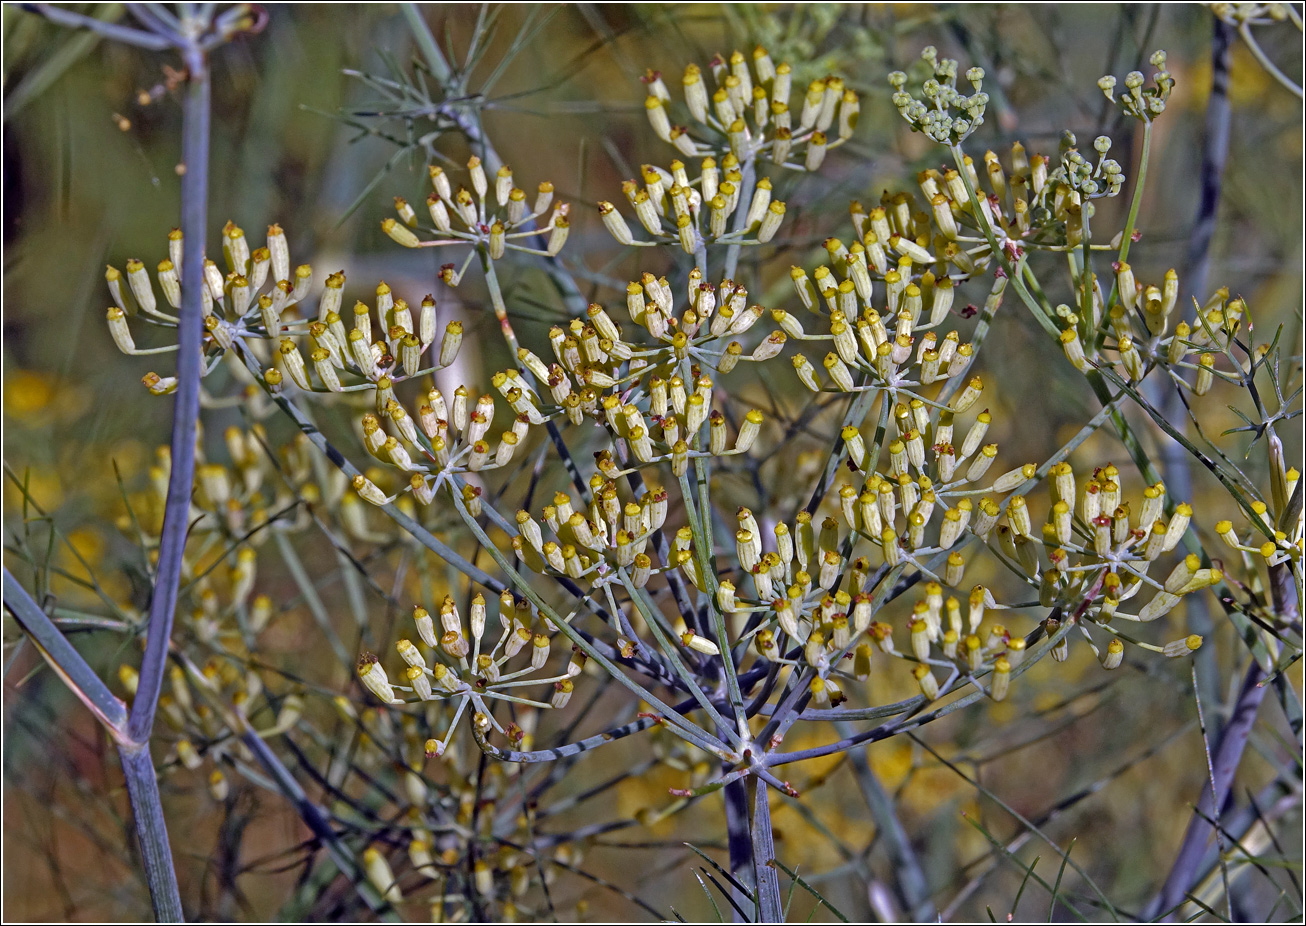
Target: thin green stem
{"x":496,"y":301}
{"x":426,"y":42}
{"x":1130,"y":223}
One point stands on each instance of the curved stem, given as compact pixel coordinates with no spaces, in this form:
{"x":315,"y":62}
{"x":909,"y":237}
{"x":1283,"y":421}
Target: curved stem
{"x":1245,"y":31}
{"x":1128,"y":235}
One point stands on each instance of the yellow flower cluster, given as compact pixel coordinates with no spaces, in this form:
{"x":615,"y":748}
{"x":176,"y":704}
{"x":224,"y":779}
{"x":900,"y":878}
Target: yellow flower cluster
{"x":466,"y":669}
{"x":260,"y":306}
{"x":728,"y":202}
{"x":750,"y":108}
{"x":1137,"y":330}
{"x":709,"y":208}
{"x":813,"y":586}
{"x":495,"y":218}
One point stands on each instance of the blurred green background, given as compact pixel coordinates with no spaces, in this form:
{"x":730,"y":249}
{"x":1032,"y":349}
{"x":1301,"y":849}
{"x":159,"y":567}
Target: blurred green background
{"x":91,"y":140}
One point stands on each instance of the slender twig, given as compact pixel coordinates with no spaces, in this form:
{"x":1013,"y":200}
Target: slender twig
{"x":185,"y":416}
{"x":1224,"y":761}
{"x":40,"y":78}
{"x":312,"y":600}
{"x":682,"y":727}
{"x":554,"y":753}
{"x":1028,"y":824}
{"x":911,"y":706}
{"x":1127,"y":238}
{"x":124,"y":34}
{"x":137,"y":766}
{"x":418,"y":533}
{"x":749,"y":174}
{"x":1210,"y":772}
{"x":1245,"y":31}
{"x":158,"y":19}
{"x":70,"y":665}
